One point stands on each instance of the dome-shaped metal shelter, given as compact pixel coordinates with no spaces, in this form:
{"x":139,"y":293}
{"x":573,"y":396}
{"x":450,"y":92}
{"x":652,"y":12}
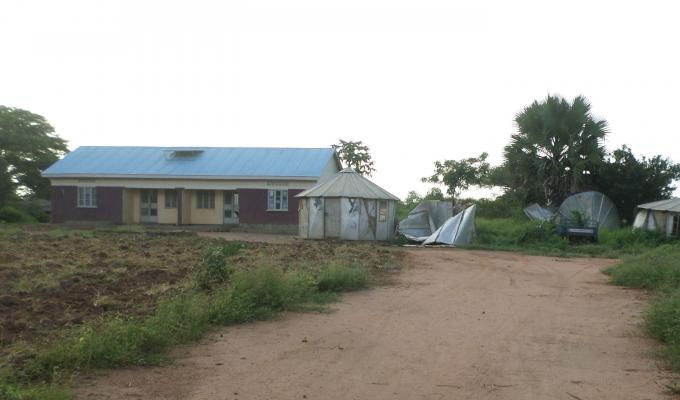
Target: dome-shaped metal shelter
{"x":347,"y":206}
{"x":592,"y":206}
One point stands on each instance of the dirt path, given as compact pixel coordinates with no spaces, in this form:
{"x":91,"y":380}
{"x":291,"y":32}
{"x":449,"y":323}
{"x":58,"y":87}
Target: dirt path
{"x":456,"y":325}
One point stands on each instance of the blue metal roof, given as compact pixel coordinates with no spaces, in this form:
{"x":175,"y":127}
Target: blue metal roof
{"x":197,"y":161}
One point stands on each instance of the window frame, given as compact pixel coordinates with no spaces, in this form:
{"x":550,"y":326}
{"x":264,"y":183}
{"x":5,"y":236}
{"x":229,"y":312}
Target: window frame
{"x":82,"y":199}
{"x":283,"y":199}
{"x":173,"y":196}
{"x":201,"y":196}
{"x":382,"y":210}
{"x":675,"y":227}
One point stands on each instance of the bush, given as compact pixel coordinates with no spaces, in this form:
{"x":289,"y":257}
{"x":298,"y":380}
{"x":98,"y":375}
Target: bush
{"x":213,"y":268}
{"x":36,"y":210}
{"x":11,"y":214}
{"x":343,"y":279}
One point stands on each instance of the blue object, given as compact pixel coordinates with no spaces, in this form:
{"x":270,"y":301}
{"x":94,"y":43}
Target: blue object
{"x":210,"y":162}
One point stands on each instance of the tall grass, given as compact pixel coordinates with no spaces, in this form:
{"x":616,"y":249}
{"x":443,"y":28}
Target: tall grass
{"x":657,"y":270}
{"x":541,"y":238}
{"x":245,"y":295}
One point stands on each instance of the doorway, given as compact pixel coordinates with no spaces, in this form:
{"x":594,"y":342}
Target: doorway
{"x":148,"y":212}
{"x":231,"y":207}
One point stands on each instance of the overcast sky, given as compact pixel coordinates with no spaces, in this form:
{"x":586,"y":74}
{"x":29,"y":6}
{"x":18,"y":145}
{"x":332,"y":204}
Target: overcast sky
{"x":417,"y":81}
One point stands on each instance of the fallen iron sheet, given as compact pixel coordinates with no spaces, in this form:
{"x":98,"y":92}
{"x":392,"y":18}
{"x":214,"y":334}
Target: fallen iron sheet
{"x":455,"y":231}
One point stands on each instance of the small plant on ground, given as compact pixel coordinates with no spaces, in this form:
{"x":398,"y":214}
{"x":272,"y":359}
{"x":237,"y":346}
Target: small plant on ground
{"x":214,"y":268}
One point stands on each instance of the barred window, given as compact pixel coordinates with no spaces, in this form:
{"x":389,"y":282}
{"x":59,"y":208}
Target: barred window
{"x":87,"y":197}
{"x":170,"y":199}
{"x":205,"y":199}
{"x":277,"y":200}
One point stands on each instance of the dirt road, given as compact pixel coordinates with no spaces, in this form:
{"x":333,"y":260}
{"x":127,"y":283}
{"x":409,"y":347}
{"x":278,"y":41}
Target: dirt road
{"x":456,"y":325}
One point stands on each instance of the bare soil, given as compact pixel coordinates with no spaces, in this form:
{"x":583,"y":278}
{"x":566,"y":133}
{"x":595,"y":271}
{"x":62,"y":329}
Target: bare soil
{"x":52,"y":279}
{"x":455,"y":325}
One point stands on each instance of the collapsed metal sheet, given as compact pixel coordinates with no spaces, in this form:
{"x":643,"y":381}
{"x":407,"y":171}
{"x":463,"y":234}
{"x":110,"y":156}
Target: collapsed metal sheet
{"x":423,"y":220}
{"x":594,"y":206}
{"x":536,"y":212}
{"x":457,"y":230}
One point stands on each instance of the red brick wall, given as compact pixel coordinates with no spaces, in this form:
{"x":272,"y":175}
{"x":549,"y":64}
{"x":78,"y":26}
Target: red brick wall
{"x":253,"y":207}
{"x":65,"y":206}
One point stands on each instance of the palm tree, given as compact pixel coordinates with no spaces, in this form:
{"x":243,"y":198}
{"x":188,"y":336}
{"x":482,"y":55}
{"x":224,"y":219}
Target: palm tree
{"x":556,"y":148}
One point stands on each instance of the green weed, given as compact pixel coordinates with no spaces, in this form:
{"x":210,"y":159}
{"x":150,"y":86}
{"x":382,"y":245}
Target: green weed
{"x":337,"y":278}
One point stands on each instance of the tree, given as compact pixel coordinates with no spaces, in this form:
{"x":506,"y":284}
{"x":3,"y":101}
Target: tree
{"x":412,"y":199}
{"x":28,"y":145}
{"x":459,"y":175}
{"x":630,"y":181}
{"x":434,"y":193}
{"x":557,"y":147}
{"x":355,"y":155}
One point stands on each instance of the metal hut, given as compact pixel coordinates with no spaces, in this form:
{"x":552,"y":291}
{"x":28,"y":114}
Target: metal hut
{"x":347,"y":206}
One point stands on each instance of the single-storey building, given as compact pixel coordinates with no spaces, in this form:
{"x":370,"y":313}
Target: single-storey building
{"x":249,"y":187}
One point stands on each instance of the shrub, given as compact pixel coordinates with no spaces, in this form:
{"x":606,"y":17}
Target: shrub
{"x":35,"y":209}
{"x":11,"y":214}
{"x":213,"y":268}
{"x":343,"y":279}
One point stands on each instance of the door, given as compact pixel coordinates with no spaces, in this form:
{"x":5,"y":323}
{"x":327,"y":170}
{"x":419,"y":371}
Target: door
{"x":331,"y":218}
{"x":231,"y":207}
{"x":148,"y":212}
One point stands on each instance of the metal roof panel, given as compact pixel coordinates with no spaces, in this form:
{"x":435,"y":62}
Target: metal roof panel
{"x":210,"y":161}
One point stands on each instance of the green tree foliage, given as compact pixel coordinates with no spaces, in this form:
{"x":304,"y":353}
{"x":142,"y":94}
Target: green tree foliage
{"x":355,"y":155}
{"x":412,"y":199}
{"x":630,"y":181}
{"x":557,"y":147}
{"x":434,"y":193}
{"x":459,"y":175}
{"x":28,"y":145}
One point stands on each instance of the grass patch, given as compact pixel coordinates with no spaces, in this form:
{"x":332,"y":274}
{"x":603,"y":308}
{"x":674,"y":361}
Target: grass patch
{"x":39,"y":392}
{"x":657,"y":270}
{"x":343,"y":279}
{"x":246,"y":295}
{"x":541,"y":238}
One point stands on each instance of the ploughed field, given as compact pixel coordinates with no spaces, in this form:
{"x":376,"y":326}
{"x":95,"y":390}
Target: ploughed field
{"x":52,"y":279}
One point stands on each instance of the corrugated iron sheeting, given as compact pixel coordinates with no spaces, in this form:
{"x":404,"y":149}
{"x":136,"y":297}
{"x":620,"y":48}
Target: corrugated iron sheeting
{"x":211,"y":161}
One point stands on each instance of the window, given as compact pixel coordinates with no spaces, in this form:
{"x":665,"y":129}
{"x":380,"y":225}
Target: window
{"x":278,"y":200}
{"x":676,"y":226}
{"x":170,"y":199}
{"x":382,"y":211}
{"x":205,"y":199}
{"x":87,"y":197}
